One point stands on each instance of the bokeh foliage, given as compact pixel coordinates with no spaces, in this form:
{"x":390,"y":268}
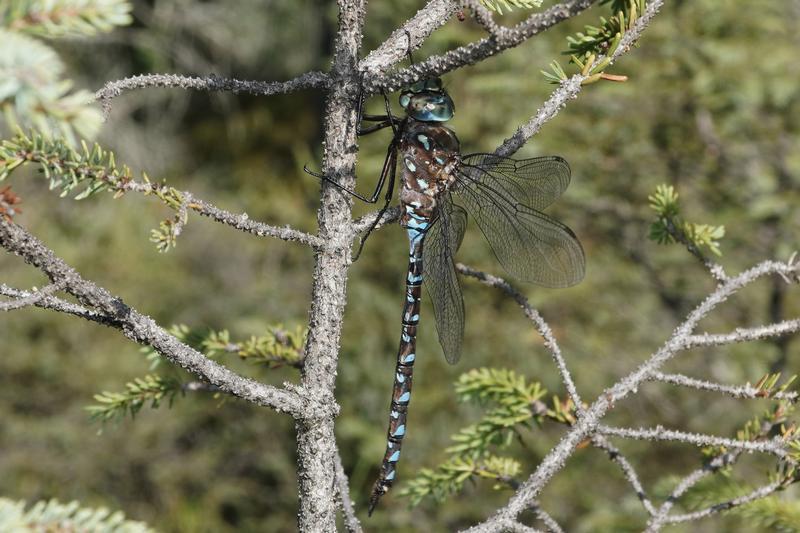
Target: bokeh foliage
{"x":34,"y":91}
{"x":711,"y":107}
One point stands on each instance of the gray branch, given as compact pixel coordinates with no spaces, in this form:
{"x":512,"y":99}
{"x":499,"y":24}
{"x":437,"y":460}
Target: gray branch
{"x":239,"y":221}
{"x":739,"y":392}
{"x":757,"y":494}
{"x":586,"y":425}
{"x":541,"y":325}
{"x":140,"y":328}
{"x":56,"y":304}
{"x":600,"y":442}
{"x":776,"y":446}
{"x":30,"y":298}
{"x":419,"y":27}
{"x":316,"y":442}
{"x":343,"y":490}
{"x":570,"y":88}
{"x":745,"y":334}
{"x":112,"y":89}
{"x":477,"y":51}
{"x":721,"y":461}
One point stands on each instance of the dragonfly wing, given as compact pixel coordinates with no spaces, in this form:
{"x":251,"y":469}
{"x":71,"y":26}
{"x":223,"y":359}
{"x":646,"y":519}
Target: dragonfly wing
{"x":535,"y":182}
{"x":530,"y":245}
{"x":441,"y":281}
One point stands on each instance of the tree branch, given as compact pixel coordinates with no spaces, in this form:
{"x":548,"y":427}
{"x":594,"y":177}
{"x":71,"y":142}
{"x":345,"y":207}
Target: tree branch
{"x":57,"y":304}
{"x":740,"y":392}
{"x":757,"y":494}
{"x":477,"y":51}
{"x":600,"y":442}
{"x":343,"y":490}
{"x":112,"y":89}
{"x":570,"y":88}
{"x":316,"y":441}
{"x":419,"y":27}
{"x":541,"y":325}
{"x":721,"y":461}
{"x":143,"y":329}
{"x":776,"y":446}
{"x":587,"y":424}
{"x":745,"y":334}
{"x":30,"y":298}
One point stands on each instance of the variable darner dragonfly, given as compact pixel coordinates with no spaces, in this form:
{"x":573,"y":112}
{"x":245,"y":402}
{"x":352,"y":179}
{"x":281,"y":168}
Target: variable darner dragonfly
{"x":503,"y":195}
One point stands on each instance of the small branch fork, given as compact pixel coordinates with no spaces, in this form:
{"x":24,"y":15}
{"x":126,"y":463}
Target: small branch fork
{"x":588,"y":426}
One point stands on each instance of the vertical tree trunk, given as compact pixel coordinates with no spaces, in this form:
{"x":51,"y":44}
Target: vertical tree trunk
{"x":316,"y":442}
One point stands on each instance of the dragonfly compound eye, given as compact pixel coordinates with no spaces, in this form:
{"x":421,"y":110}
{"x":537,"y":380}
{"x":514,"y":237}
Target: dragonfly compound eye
{"x":430,"y":107}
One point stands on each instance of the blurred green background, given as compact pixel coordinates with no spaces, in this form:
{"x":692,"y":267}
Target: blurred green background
{"x":712,"y":106}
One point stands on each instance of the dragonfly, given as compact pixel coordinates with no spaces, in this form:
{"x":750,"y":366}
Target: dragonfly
{"x":439,"y":189}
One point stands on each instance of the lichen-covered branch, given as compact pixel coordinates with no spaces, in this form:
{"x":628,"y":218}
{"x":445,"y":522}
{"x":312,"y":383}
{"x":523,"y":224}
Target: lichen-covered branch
{"x":411,"y":35}
{"x":570,"y":88}
{"x":30,"y":298}
{"x":586,"y":425}
{"x":343,"y":490}
{"x":744,"y":391}
{"x":477,"y":51}
{"x":776,"y":446}
{"x":541,"y":325}
{"x":56,"y":304}
{"x":113,"y":89}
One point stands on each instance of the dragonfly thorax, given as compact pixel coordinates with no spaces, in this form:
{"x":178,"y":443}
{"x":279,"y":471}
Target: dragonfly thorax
{"x":429,"y":157}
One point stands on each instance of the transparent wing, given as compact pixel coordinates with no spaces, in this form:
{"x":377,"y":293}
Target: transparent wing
{"x":530,"y":245}
{"x":441,"y":281}
{"x":535,"y":182}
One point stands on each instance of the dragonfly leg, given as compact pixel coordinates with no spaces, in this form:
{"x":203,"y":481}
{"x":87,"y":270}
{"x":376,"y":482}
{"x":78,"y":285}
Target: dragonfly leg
{"x":387,"y":198}
{"x":374,"y":197}
{"x":375,"y":127}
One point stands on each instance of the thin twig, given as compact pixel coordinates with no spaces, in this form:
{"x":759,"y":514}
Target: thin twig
{"x":745,"y":334}
{"x":31,"y":298}
{"x":721,"y":461}
{"x":57,"y":304}
{"x":343,"y":491}
{"x":715,"y":269}
{"x":541,"y":325}
{"x":739,"y":392}
{"x":477,"y":51}
{"x":757,"y":494}
{"x":239,"y":221}
{"x":548,"y":521}
{"x":112,"y":89}
{"x":570,"y":88}
{"x":141,"y":328}
{"x":418,"y":28}
{"x":776,"y":446}
{"x":391,"y":215}
{"x":586,"y":425}
{"x":600,"y":442}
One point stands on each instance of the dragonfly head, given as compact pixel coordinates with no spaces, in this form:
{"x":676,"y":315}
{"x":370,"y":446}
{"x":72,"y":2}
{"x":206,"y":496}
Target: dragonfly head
{"x":427,"y":101}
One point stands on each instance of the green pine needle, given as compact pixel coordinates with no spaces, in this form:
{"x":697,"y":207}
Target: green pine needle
{"x":670,"y":228}
{"x":52,"y":516}
{"x":151,"y":389}
{"x":276,"y":348}
{"x":61,"y":18}
{"x":509,"y":5}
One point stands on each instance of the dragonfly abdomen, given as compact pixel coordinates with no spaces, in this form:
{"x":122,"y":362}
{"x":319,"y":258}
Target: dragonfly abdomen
{"x":406,"y":355}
